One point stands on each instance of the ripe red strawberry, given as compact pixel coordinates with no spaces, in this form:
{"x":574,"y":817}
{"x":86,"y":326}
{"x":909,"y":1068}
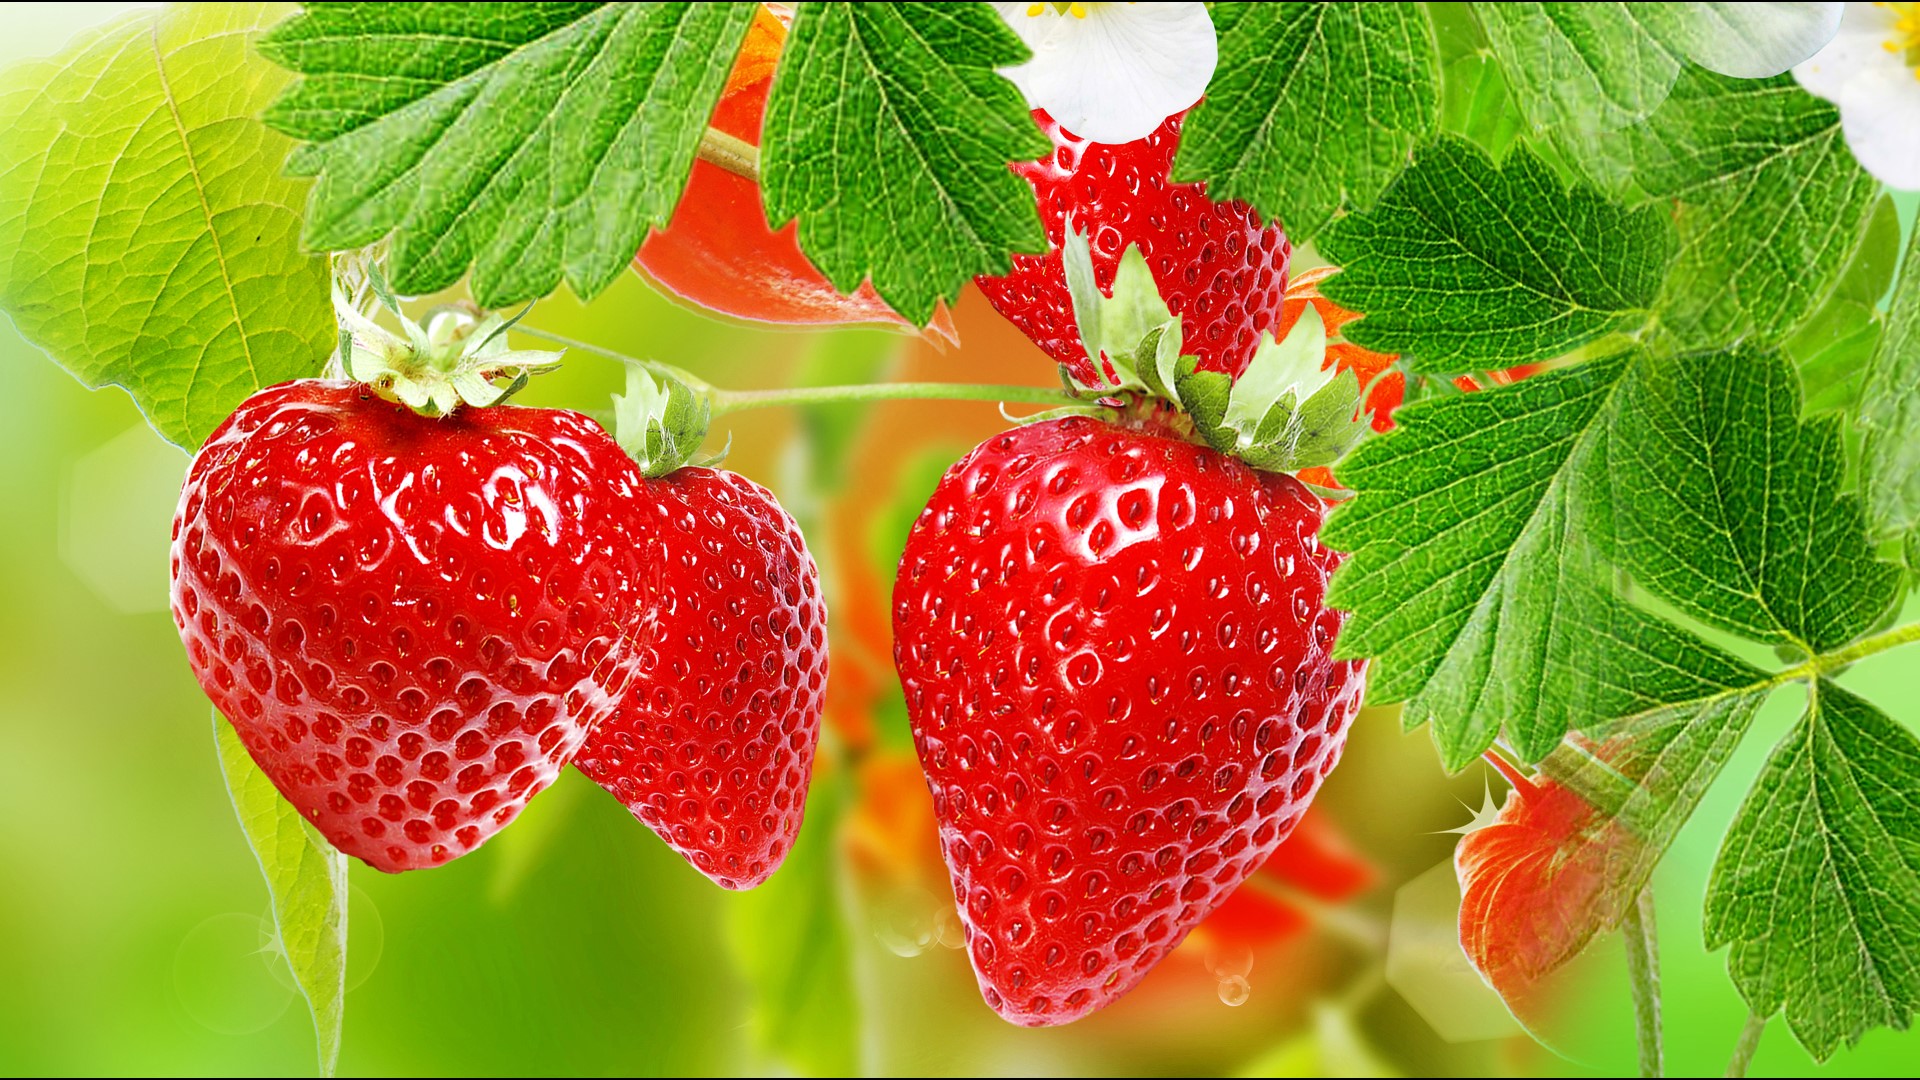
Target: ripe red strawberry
{"x":712,"y":743}
{"x":412,"y":623}
{"x":1117,"y":665}
{"x":1216,"y":267}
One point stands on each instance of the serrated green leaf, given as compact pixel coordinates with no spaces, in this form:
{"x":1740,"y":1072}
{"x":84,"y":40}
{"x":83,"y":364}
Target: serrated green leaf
{"x":534,"y":142}
{"x":147,"y":238}
{"x":1313,"y":107}
{"x":1600,"y":66}
{"x":1459,"y":528}
{"x":791,"y":942}
{"x":1465,"y":267}
{"x":888,"y":134}
{"x":1769,"y":203}
{"x":307,"y":883}
{"x":1817,"y":886}
{"x":1890,"y":411}
{"x":1730,"y":508}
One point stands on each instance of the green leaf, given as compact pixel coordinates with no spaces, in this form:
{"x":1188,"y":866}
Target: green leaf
{"x":1730,"y":508}
{"x":1459,"y":528}
{"x":1769,"y":203}
{"x":147,"y":238}
{"x":791,"y":941}
{"x":307,"y":882}
{"x":888,"y":134}
{"x":530,"y":141}
{"x":1817,"y":887}
{"x":1313,"y":107}
{"x":1869,"y":272}
{"x":1477,"y":106}
{"x":660,"y":421}
{"x":1890,"y":411}
{"x":1601,"y":66}
{"x":1833,"y":350}
{"x":1467,"y":267}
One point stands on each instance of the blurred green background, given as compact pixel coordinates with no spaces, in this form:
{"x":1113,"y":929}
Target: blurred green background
{"x":131,"y":938}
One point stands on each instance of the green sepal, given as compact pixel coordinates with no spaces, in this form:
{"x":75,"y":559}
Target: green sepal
{"x":1287,"y":411}
{"x":460,"y":357}
{"x":660,"y":421}
{"x":1130,"y":337}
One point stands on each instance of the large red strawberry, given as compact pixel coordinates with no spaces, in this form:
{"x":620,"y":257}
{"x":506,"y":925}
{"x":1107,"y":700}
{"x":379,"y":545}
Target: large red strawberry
{"x":412,"y":623}
{"x":1116,"y":659}
{"x":712,"y":743}
{"x":1216,"y":266}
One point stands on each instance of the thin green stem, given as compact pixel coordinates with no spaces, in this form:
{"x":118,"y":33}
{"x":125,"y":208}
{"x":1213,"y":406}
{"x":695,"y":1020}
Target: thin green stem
{"x":694,"y":382}
{"x":1643,"y":967}
{"x":1749,"y":1042}
{"x":730,"y":401}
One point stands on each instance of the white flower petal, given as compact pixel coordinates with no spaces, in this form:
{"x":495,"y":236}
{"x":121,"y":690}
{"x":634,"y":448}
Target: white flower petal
{"x":1879,"y":116}
{"x":1115,"y":73}
{"x":1755,"y":41}
{"x":1860,"y":46}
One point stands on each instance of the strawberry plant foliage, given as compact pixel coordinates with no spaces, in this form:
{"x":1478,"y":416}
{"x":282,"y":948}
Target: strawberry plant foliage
{"x":1464,"y":266}
{"x":1890,"y":412}
{"x":1769,"y":203}
{"x":888,"y":136}
{"x":1817,"y":887}
{"x":147,"y":238}
{"x":306,"y":882}
{"x":1313,"y":107}
{"x":532,"y":142}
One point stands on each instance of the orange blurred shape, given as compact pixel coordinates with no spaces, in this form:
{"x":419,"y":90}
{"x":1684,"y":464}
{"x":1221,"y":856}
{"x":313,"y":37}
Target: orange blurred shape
{"x":718,"y":253}
{"x":891,"y":838}
{"x":1316,"y":862}
{"x":1537,"y":885}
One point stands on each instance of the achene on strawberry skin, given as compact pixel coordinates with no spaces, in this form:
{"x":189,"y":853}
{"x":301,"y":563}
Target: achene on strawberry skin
{"x":411,"y":623}
{"x":1117,"y":664}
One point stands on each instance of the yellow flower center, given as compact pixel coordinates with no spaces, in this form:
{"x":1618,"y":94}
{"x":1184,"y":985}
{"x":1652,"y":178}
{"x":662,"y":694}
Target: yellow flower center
{"x":1905,"y":42}
{"x":1079,"y":11}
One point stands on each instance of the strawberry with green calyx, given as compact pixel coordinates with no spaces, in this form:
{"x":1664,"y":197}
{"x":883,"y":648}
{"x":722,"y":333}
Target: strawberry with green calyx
{"x":1288,"y":410}
{"x":412,"y":613}
{"x":711,"y":744}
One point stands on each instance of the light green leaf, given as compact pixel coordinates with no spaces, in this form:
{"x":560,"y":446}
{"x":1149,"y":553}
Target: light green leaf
{"x":1869,"y":272}
{"x":1730,"y":508}
{"x":147,"y":237}
{"x":1313,"y":107}
{"x":1477,"y":106}
{"x":1464,"y":267}
{"x":1770,"y":204}
{"x":1817,"y":887}
{"x":533,"y":142}
{"x":791,"y":941}
{"x":307,"y":882}
{"x":1890,"y":412}
{"x":888,"y":134}
{"x":1833,"y":350}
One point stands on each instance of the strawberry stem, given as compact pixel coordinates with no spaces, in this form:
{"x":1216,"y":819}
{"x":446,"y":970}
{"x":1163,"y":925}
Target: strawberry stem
{"x":1643,"y":967}
{"x":1749,"y":1042}
{"x":737,"y":156}
{"x":730,"y":401}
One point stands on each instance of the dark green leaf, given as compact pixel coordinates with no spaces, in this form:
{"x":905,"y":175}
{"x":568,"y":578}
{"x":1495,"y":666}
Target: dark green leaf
{"x":530,"y":141}
{"x":1730,"y":508}
{"x":307,"y":883}
{"x":1770,"y":204}
{"x":1466,"y":267}
{"x":888,"y":135}
{"x":1817,"y":887}
{"x":147,"y":238}
{"x":1313,"y":107}
{"x":1890,"y":411}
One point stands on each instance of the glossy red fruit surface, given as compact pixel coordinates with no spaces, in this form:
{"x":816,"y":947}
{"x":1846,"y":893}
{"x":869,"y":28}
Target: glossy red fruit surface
{"x":1117,"y":663}
{"x":411,"y":623}
{"x":1217,"y":268}
{"x":712,"y":743}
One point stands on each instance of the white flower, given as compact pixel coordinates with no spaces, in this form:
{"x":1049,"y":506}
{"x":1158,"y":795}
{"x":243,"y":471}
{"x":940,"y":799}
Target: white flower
{"x":1871,"y":70}
{"x":1111,"y":73}
{"x":1755,"y":41}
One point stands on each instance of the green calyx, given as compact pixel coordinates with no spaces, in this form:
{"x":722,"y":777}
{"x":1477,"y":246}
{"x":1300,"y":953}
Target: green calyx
{"x":460,"y":357}
{"x":661,"y":420}
{"x":1288,"y":411}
